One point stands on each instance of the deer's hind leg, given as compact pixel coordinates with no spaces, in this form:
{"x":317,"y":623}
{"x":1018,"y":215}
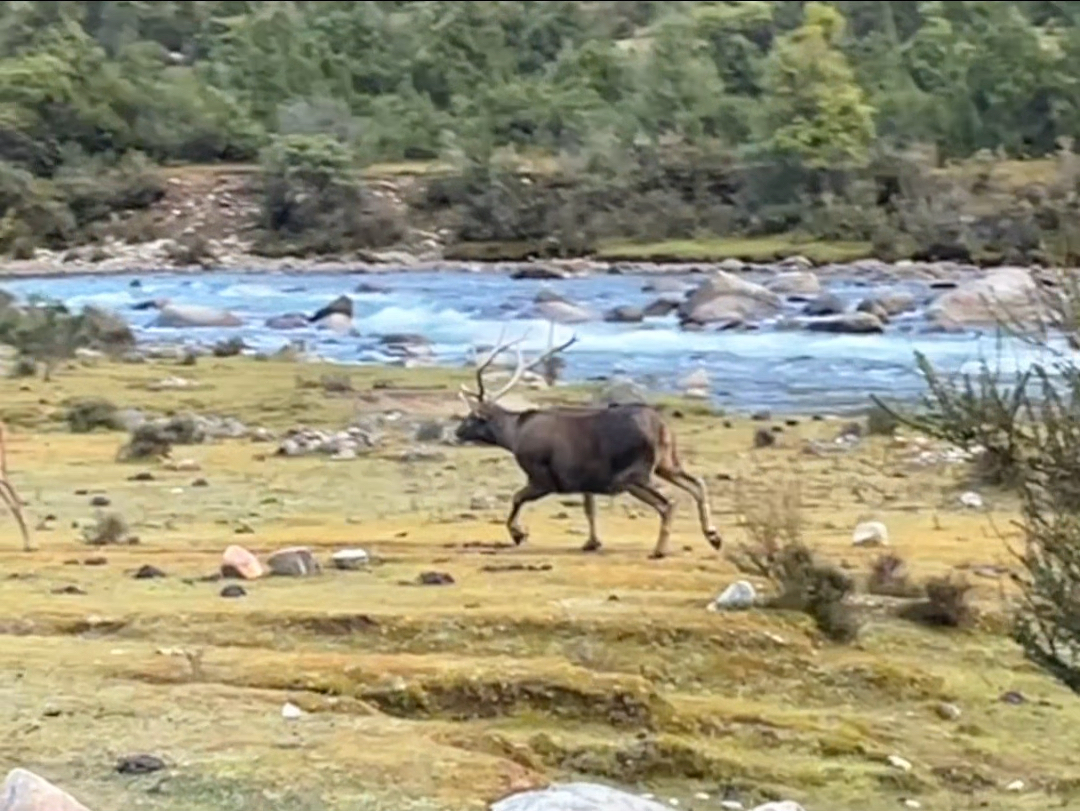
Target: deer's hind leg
{"x":663,"y":505}
{"x":695,"y":486}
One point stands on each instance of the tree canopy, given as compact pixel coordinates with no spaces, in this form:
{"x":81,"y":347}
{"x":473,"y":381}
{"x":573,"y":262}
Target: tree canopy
{"x":216,"y":80}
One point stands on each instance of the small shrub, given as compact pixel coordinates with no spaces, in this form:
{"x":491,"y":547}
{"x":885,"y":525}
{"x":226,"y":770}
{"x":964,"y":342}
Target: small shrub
{"x":806,"y":585}
{"x":191,"y":250}
{"x":24,"y":367}
{"x":946,"y":604}
{"x":110,"y":528}
{"x":155,"y":439}
{"x":880,"y":422}
{"x":92,"y":413}
{"x":888,"y":578}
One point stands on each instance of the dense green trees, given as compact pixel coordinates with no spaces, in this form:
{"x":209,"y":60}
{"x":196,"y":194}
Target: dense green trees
{"x":205,"y":81}
{"x":814,"y":87}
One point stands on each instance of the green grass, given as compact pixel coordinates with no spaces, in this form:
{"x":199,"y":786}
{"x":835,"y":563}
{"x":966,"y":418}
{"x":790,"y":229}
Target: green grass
{"x":755,"y":249}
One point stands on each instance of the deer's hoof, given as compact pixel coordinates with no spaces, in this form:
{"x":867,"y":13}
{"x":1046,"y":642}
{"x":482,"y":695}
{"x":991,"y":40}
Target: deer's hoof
{"x":657,"y":554}
{"x":714,"y":539}
{"x":591,"y":546}
{"x":518,"y":536}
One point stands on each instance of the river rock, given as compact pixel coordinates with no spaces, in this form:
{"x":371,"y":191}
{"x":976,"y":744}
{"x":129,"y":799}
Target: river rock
{"x":624,"y":314}
{"x":576,"y":797}
{"x":1007,"y":294}
{"x":539,"y":271}
{"x":287,"y":321}
{"x":295,"y":561}
{"x":795,"y":283}
{"x":563,"y":312}
{"x":696,"y":385}
{"x":890,"y":302}
{"x":660,"y":307}
{"x":25,"y":791}
{"x":665,"y":284}
{"x":725,"y":297}
{"x":239,"y":562}
{"x":848,"y":323}
{"x":825,"y":304}
{"x":194,"y":315}
{"x":342,"y":305}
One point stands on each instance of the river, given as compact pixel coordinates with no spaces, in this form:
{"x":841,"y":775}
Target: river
{"x":784,"y":370}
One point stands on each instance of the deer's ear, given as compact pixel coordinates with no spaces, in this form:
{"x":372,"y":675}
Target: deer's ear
{"x":471,"y":400}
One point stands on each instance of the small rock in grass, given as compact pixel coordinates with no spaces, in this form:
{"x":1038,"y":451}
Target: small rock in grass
{"x":435,"y":579}
{"x":295,"y":561}
{"x":148,"y":572}
{"x":350,"y":559}
{"x":139,"y":764}
{"x":240,"y":563}
{"x":740,"y":595}
{"x":870,"y":533}
{"x":233,"y":590}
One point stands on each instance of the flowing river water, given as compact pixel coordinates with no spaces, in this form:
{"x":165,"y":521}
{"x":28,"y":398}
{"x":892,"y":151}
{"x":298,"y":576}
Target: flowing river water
{"x":781,"y":369}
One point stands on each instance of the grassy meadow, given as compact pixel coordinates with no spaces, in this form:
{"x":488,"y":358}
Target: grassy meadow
{"x":536,"y":663}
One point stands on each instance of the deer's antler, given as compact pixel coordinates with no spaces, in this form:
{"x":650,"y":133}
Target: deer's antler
{"x":498,"y":349}
{"x":522,"y":367}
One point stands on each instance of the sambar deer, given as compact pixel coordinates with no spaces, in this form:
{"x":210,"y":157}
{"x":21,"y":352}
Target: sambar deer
{"x":591,"y":450}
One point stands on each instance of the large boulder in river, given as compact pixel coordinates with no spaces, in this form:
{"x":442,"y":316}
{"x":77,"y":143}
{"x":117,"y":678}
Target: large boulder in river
{"x":1007,"y":295}
{"x":342,"y":305}
{"x":890,"y":302}
{"x":287,"y":321}
{"x":624,"y":314}
{"x":563,"y":312}
{"x":848,"y":323}
{"x":726,"y":297}
{"x":194,"y":315}
{"x":825,"y":304}
{"x":795,"y":283}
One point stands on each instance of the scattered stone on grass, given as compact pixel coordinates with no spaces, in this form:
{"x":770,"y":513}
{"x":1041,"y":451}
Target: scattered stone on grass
{"x":290,"y":712}
{"x":148,"y":572}
{"x":303,"y":441}
{"x":434,"y":579}
{"x":516,"y":567}
{"x":764,"y":438}
{"x":240,"y":563}
{"x":139,"y":764}
{"x":870,"y":533}
{"x":576,"y":797}
{"x":350,"y":559}
{"x":68,"y":590}
{"x":233,"y":590}
{"x":294,"y":561}
{"x":739,"y":596}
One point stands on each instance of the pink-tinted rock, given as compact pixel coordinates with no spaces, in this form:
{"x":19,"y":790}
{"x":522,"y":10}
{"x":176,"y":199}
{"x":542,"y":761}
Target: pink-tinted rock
{"x":25,"y":791}
{"x":238,"y":562}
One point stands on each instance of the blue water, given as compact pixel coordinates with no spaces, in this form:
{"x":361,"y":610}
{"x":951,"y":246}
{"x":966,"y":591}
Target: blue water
{"x":780,"y":369}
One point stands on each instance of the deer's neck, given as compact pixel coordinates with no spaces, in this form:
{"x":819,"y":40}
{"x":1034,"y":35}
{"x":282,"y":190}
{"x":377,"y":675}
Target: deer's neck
{"x":504,"y":428}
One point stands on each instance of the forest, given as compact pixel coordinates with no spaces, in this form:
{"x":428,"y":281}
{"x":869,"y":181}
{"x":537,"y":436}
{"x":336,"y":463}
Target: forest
{"x":657,"y":120}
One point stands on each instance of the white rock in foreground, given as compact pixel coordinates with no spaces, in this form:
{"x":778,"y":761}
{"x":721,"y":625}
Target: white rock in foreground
{"x":25,"y":791}
{"x":870,"y":533}
{"x":784,"y":805}
{"x":576,"y":797}
{"x":740,"y":595}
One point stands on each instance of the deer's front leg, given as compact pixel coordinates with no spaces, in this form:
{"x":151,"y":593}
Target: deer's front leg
{"x":529,"y":492}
